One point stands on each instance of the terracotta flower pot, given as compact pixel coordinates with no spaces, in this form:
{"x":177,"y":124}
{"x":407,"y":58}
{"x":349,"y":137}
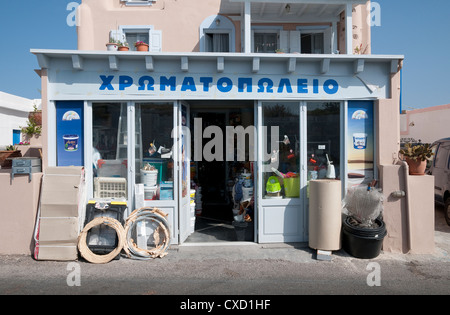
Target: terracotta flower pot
{"x":416,"y":167}
{"x":142,"y":47}
{"x":124,"y":48}
{"x":36,"y":117}
{"x":4,"y":155}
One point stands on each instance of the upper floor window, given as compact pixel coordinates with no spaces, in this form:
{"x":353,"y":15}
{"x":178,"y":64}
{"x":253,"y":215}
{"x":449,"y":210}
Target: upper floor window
{"x":133,"y":33}
{"x":265,"y":42}
{"x":217,"y":42}
{"x":217,"y":34}
{"x":133,"y":37}
{"x":139,"y":2}
{"x":305,"y":40}
{"x":312,"y":43}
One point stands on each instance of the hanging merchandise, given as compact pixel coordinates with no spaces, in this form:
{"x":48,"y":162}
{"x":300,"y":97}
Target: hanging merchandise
{"x":152,"y":148}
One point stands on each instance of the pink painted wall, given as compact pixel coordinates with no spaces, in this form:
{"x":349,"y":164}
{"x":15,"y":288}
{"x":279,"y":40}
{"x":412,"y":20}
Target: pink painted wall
{"x":18,"y":212}
{"x":179,"y":21}
{"x":426,"y":124}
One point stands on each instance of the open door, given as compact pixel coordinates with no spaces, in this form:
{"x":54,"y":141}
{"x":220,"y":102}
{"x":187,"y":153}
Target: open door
{"x":186,"y":216}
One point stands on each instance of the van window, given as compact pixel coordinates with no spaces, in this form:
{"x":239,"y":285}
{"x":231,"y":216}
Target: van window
{"x":441,"y":160}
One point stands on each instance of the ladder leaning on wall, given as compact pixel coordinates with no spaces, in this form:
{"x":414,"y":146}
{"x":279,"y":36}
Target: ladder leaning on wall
{"x":122,"y":136}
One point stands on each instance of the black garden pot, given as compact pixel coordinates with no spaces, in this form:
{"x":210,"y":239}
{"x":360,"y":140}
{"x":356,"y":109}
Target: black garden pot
{"x":363,"y":243}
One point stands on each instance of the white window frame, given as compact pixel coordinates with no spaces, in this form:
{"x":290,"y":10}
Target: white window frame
{"x":144,"y":29}
{"x":154,"y":36}
{"x":320,"y":29}
{"x":266,"y":30}
{"x":139,"y":2}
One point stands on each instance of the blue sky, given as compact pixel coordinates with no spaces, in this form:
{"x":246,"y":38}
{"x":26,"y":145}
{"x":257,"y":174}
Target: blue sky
{"x":416,"y":29}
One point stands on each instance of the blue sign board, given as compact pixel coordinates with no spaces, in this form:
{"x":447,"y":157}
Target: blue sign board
{"x":69,"y":133}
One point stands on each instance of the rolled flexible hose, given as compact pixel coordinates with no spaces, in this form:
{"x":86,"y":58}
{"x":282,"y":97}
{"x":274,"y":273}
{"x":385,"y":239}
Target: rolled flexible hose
{"x":161,"y":243}
{"x":84,"y":250}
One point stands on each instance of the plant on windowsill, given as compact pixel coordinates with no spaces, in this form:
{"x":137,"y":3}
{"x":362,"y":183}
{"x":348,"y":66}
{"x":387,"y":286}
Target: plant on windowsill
{"x":279,"y":51}
{"x":112,"y":45}
{"x":123,"y":46}
{"x":141,"y":46}
{"x":417,"y":156}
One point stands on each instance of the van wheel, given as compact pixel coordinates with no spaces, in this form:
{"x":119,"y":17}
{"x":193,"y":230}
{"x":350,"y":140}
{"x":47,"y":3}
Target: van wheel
{"x":447,"y":210}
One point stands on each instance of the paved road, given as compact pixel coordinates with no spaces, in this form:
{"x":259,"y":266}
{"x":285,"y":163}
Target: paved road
{"x":287,"y":269}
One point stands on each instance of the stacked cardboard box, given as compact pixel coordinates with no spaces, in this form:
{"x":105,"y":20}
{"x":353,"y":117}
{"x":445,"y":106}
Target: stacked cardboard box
{"x":61,"y":213}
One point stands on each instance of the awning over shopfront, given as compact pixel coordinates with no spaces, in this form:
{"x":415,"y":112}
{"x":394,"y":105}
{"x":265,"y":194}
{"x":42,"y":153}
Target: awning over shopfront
{"x":94,"y":75}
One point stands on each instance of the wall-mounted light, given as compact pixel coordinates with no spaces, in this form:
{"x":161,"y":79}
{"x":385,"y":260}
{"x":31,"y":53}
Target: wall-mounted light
{"x":287,"y":8}
{"x":217,"y":22}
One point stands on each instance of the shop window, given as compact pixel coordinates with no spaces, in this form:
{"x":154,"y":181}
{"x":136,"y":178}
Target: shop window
{"x":154,"y":144}
{"x":323,"y":140}
{"x":281,"y":152}
{"x":109,"y":158}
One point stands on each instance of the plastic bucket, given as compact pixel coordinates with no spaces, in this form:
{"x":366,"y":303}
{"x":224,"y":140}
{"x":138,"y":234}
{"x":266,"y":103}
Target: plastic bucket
{"x":292,"y":187}
{"x":149,"y":178}
{"x":360,"y":141}
{"x":71,"y":142}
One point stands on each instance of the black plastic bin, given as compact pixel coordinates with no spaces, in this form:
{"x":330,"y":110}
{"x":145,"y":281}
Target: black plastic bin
{"x":363,"y":243}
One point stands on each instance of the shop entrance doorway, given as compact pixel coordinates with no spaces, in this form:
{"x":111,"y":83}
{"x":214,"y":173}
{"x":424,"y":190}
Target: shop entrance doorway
{"x":220,"y":179}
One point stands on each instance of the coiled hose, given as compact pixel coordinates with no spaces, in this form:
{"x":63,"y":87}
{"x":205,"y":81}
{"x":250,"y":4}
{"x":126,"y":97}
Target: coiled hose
{"x":160,"y":238}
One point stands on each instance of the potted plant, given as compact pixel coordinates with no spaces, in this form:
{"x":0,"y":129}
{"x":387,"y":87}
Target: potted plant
{"x":141,"y":46}
{"x":417,"y":156}
{"x":9,"y":152}
{"x":112,"y":45}
{"x":123,"y":46}
{"x":363,"y":228}
{"x":36,"y":115}
{"x":33,"y":128}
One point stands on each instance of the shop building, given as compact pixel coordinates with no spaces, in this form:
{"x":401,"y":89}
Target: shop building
{"x":212,"y":67}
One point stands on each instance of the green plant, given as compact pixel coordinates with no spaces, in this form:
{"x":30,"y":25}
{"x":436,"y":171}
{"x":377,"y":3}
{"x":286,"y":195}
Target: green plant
{"x":419,"y":152}
{"x":32,"y":128}
{"x":123,"y":44}
{"x":11,"y":148}
{"x":112,"y":40}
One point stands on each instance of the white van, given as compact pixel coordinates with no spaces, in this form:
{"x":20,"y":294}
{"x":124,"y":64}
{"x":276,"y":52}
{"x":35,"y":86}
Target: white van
{"x":440,"y":169}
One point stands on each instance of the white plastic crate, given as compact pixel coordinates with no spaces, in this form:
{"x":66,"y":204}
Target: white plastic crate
{"x":110,"y":187}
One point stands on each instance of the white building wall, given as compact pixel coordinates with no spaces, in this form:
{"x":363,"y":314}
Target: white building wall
{"x":14,"y":112}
